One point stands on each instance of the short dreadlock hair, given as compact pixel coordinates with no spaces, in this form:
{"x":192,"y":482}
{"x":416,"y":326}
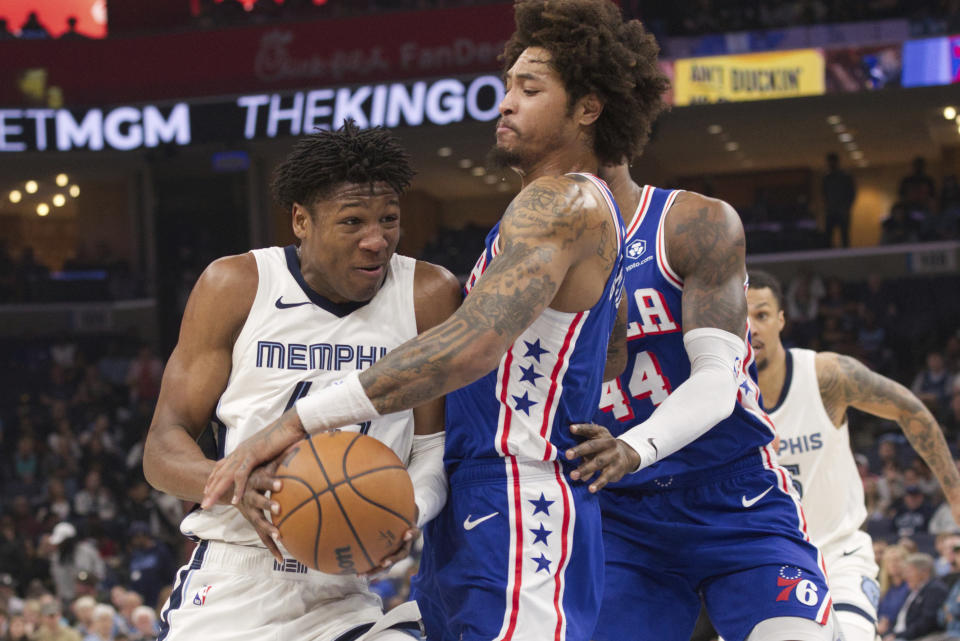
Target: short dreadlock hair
{"x":595,"y":51}
{"x":321,"y":161}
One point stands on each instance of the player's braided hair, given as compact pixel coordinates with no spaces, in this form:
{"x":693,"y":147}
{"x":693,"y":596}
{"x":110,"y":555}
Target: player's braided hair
{"x":321,"y":161}
{"x":595,"y":51}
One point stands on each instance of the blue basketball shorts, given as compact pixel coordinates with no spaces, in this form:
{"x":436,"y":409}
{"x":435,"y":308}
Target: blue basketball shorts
{"x":733,"y":535}
{"x":515,"y":554}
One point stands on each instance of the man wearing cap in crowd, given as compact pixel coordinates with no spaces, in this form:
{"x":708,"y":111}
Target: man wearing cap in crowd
{"x":52,"y":626}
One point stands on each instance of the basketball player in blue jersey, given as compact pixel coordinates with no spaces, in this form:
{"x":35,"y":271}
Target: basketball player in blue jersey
{"x":516,"y":552}
{"x":694,"y":503}
{"x":807,"y":395}
{"x":260,"y":330}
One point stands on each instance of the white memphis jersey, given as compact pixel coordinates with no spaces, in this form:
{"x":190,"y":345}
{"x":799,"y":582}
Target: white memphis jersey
{"x":818,"y":455}
{"x":293,"y":342}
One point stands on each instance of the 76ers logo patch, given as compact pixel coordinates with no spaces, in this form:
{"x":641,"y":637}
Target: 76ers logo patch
{"x":636,"y":248}
{"x":791,"y":580}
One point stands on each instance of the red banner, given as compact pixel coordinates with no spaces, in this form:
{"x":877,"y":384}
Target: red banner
{"x":250,"y":59}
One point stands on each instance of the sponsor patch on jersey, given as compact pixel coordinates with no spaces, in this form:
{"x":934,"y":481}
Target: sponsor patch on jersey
{"x":636,"y":248}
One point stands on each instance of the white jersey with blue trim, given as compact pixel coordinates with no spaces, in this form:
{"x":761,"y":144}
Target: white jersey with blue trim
{"x":549,"y":378}
{"x":818,"y":454}
{"x":294,"y":342}
{"x":657,"y":359}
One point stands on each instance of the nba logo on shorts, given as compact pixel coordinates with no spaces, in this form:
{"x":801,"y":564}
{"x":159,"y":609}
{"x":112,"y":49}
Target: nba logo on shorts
{"x":201,"y":596}
{"x":636,"y":248}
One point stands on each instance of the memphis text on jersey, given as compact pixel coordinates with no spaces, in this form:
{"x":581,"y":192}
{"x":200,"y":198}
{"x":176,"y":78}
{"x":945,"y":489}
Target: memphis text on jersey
{"x":322,"y":356}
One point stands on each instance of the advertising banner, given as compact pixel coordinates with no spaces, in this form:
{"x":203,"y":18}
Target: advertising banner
{"x":283,"y":56}
{"x":760,"y":76}
{"x":442,"y":101}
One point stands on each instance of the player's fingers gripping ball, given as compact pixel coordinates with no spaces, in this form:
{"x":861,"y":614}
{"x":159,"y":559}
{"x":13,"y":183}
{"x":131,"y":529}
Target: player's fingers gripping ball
{"x":345,"y":504}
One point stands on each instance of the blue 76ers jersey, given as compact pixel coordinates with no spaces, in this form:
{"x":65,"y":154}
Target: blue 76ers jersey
{"x":657,"y":359}
{"x":550,"y":377}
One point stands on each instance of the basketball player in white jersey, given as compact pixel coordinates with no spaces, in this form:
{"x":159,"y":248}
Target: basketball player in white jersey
{"x":807,"y":394}
{"x":261,"y":330}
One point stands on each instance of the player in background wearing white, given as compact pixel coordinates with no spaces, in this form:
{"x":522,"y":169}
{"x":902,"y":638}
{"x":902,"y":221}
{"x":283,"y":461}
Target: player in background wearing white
{"x":807,"y":394}
{"x":263,"y":329}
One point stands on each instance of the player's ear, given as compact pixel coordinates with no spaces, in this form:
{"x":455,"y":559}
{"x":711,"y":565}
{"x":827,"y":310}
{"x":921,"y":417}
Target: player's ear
{"x":781,"y":320}
{"x":301,"y":220}
{"x":589,"y":109}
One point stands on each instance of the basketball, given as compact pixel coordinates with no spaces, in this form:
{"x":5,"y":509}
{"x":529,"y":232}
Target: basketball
{"x":345,"y":504}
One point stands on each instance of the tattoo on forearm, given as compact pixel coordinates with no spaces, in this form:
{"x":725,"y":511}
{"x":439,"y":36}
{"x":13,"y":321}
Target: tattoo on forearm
{"x":845,"y":382}
{"x":546,"y":217}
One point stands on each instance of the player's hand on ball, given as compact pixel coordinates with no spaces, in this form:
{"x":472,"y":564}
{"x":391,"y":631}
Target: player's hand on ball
{"x":602,"y":454}
{"x":409,"y":537}
{"x":236,"y":468}
{"x":255,"y":503}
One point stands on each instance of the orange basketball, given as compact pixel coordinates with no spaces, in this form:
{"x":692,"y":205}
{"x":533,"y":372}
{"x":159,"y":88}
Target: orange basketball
{"x":345,"y":504}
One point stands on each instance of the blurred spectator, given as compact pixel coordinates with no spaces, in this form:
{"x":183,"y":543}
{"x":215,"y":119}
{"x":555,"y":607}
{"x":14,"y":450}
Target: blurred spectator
{"x":949,"y":615}
{"x":124,"y":601}
{"x":839,"y":192}
{"x":9,"y":601}
{"x":101,"y":625}
{"x":52,"y":626}
{"x":879,"y":301}
{"x":5,"y":33}
{"x":144,"y":375}
{"x":17,"y":629}
{"x":145,"y":623}
{"x":82,"y":609}
{"x":901,"y":226}
{"x":69,"y":555}
{"x":893,"y":587}
{"x":803,"y":306}
{"x":872,"y":341}
{"x":56,"y":504}
{"x":942,"y":521}
{"x":917,"y":190}
{"x":32,"y":29}
{"x":912,"y":513}
{"x":932,"y":383}
{"x":918,"y":615}
{"x":94,"y":498}
{"x":71,"y":33}
{"x":944,"y":544}
{"x":151,"y":564}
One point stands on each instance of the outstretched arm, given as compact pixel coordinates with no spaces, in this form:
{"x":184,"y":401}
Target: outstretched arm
{"x":846,"y":382}
{"x":550,"y":226}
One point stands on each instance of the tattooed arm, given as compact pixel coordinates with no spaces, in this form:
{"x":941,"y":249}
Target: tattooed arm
{"x":705,"y":247}
{"x":845,"y":382}
{"x":553,"y":225}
